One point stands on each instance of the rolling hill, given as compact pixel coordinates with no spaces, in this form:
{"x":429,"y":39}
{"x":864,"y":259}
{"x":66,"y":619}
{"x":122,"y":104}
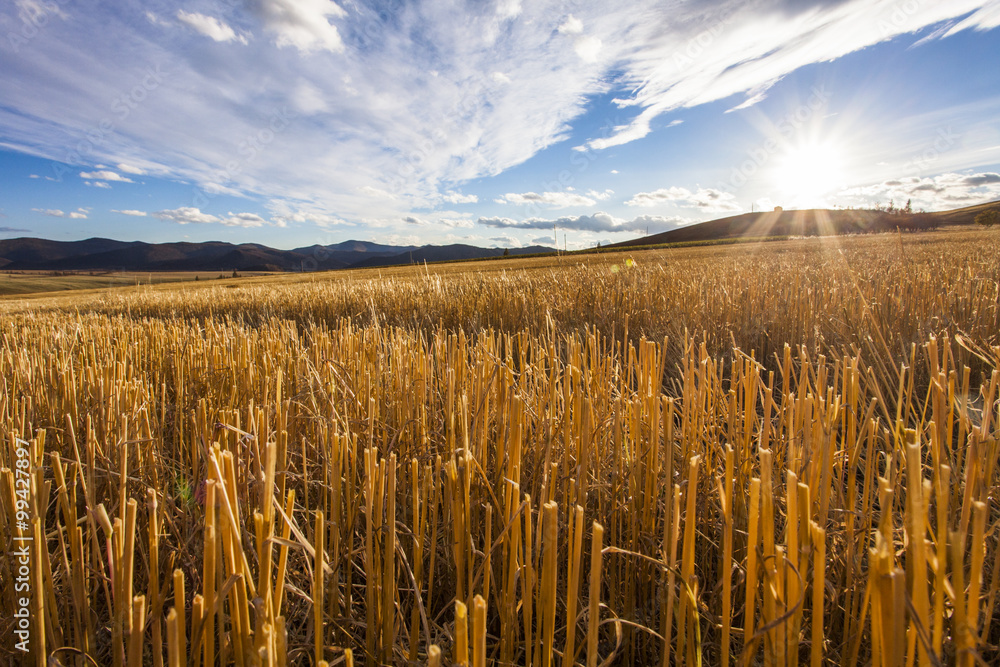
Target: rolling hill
{"x":810,"y":222}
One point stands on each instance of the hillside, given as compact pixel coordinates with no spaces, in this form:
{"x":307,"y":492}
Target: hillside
{"x":433,"y":253}
{"x":810,"y":222}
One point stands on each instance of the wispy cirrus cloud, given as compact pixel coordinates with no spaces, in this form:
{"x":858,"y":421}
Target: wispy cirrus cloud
{"x":700,"y":53}
{"x":708,"y":200}
{"x":450,"y":219}
{"x":105,"y":175}
{"x":210,"y":27}
{"x":563,"y":199}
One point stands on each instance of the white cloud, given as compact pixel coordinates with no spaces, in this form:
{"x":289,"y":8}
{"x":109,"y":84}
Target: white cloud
{"x":458,"y":198}
{"x":33,"y":176}
{"x":156,"y":20}
{"x":551,"y":199}
{"x":571,"y":26}
{"x":304,"y":24}
{"x":130,"y":169}
{"x":754,"y":97}
{"x":219,"y":189}
{"x":600,"y":196}
{"x":283,"y":214}
{"x":441,"y":219}
{"x":506,"y":241}
{"x":449,"y":219}
{"x":209,"y":26}
{"x":376,"y":192}
{"x":985,"y":18}
{"x":130,"y":211}
{"x":624,"y":134}
{"x":588,"y":48}
{"x":708,"y":200}
{"x":98,"y":184}
{"x":186,"y":215}
{"x":508,"y":9}
{"x":78,"y":214}
{"x":106,"y":175}
{"x":941,"y":192}
{"x":309,"y":99}
{"x":598,"y":222}
{"x":243,"y":220}
{"x":190,"y":215}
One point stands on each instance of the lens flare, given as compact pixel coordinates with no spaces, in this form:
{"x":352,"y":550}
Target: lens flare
{"x":808,"y":172}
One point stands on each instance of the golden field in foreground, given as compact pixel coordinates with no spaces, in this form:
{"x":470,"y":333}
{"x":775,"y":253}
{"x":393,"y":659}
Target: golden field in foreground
{"x":772,"y":454}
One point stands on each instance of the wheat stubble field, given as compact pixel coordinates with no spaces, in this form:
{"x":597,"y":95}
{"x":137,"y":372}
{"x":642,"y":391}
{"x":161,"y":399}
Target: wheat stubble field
{"x":772,"y":454}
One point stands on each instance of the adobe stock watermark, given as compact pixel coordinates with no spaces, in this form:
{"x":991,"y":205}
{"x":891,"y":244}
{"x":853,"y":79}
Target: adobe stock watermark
{"x":372,"y":31}
{"x":467,"y":106}
{"x":580,"y":160}
{"x":944,"y":141}
{"x":121,"y":108}
{"x":20,"y":557}
{"x":897,"y":18}
{"x":247,"y":151}
{"x":318,"y":254}
{"x":785,"y":129}
{"x":35,"y":17}
{"x":696,"y":47}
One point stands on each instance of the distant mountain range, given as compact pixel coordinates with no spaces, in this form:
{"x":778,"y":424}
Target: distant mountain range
{"x":30,"y":254}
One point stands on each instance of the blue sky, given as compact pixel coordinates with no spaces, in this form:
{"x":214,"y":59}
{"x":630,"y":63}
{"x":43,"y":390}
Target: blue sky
{"x":293,"y":122}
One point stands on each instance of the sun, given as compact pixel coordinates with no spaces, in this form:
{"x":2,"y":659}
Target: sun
{"x":807,"y":172}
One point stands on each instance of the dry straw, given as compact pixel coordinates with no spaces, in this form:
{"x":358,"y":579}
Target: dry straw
{"x":347,"y":469}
